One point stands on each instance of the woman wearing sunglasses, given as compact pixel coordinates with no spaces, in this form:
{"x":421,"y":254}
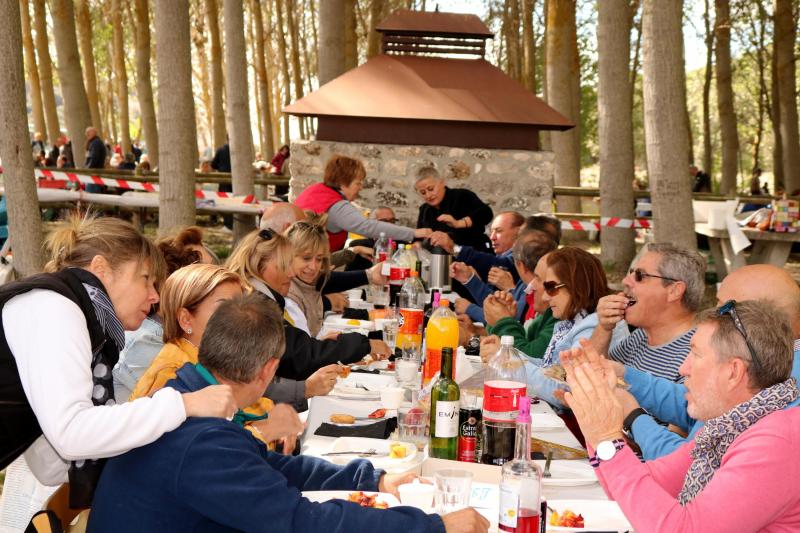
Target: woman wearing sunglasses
{"x":572,"y":284}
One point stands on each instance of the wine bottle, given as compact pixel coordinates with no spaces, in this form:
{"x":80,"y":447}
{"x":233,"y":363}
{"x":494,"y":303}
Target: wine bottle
{"x":521,"y":481}
{"x":445,"y":396}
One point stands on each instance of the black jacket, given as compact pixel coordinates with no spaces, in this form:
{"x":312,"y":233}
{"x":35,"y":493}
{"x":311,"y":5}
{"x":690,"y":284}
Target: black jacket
{"x":460,"y":203}
{"x":95,"y":154}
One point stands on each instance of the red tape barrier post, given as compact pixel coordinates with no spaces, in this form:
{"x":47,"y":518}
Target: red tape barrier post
{"x":606,"y":222}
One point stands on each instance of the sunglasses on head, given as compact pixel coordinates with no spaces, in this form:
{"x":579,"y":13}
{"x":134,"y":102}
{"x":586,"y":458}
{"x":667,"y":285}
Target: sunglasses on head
{"x":729,"y":308}
{"x":266,"y":234}
{"x":639,"y":275}
{"x":552,"y":287}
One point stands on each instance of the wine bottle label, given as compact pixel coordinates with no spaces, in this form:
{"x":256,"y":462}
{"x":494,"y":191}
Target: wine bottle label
{"x":446,"y":419}
{"x":509,"y":505}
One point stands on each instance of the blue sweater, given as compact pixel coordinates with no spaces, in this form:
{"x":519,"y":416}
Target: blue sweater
{"x":210,"y":475}
{"x":666,"y":400}
{"x":480,"y":290}
{"x":482,"y":262}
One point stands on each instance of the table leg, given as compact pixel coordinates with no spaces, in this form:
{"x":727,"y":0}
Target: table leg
{"x":770,"y":253}
{"x":732,"y":260}
{"x":719,"y":259}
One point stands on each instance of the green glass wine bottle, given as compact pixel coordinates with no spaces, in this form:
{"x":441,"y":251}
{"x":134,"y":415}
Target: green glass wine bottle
{"x":445,"y":397}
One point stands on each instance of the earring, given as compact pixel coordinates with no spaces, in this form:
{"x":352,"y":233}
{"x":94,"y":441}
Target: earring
{"x":189,"y":331}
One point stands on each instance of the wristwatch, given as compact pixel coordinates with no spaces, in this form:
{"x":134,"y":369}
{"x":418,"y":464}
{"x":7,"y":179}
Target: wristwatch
{"x":456,"y":249}
{"x":605,"y":451}
{"x":627,"y":424}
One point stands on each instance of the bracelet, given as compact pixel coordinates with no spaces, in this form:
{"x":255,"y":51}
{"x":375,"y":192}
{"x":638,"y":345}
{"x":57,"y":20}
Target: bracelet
{"x":627,"y":424}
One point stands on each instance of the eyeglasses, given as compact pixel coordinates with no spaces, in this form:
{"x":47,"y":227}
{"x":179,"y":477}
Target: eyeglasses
{"x":639,"y":275}
{"x":552,"y":287}
{"x":266,"y":234}
{"x":729,"y":308}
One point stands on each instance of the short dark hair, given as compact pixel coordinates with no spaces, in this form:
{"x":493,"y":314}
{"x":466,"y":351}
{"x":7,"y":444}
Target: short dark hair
{"x":546,"y":223}
{"x":583,"y":276}
{"x":340,"y":171}
{"x":241,"y":336}
{"x":769,"y":333}
{"x":532,"y":245}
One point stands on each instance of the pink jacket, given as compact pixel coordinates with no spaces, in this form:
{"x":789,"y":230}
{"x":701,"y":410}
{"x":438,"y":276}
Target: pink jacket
{"x":756,"y":488}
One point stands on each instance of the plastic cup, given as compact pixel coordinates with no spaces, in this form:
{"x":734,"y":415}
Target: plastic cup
{"x":453,"y":489}
{"x":419,"y":495}
{"x":391,"y":397}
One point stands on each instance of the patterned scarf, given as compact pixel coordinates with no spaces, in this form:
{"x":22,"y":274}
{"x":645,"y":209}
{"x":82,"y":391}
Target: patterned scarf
{"x":718,"y":434}
{"x":560,"y":331}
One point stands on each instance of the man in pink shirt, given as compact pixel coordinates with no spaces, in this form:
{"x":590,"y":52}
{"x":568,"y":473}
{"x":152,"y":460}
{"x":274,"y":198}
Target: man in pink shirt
{"x":739,"y":472}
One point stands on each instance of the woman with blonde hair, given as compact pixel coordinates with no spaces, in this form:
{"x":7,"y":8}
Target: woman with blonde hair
{"x":264,"y":259}
{"x":184,"y":248}
{"x":61,"y":336}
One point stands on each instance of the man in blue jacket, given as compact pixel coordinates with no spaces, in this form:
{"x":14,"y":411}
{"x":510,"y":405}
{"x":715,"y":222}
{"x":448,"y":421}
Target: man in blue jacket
{"x":651,"y":399}
{"x":212,"y":475}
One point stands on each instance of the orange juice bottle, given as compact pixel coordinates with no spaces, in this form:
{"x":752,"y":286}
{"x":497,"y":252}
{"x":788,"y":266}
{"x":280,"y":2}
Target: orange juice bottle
{"x":442,"y":331}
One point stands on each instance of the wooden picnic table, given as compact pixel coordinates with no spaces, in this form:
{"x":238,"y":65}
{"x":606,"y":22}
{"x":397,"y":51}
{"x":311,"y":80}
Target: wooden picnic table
{"x":769,"y":248}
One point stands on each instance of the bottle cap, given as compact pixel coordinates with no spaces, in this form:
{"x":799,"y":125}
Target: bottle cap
{"x":444,"y":303}
{"x":414,"y":274}
{"x":524,"y":415}
{"x":507,"y":340}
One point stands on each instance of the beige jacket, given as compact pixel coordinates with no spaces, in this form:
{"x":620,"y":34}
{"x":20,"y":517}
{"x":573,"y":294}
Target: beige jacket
{"x":309,"y":299}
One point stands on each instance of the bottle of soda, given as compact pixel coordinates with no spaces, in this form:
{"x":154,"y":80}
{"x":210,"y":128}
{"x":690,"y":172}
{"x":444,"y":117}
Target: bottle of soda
{"x":521,"y":481}
{"x":432,"y":304}
{"x":445,"y":397}
{"x":442,"y":331}
{"x":508,"y":363}
{"x":411,"y":303}
{"x":398,"y":272}
{"x":383,"y":250}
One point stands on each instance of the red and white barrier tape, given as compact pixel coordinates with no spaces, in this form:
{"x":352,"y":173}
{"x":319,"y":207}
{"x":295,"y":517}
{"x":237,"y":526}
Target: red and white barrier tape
{"x":130,"y":185}
{"x":606,"y":222}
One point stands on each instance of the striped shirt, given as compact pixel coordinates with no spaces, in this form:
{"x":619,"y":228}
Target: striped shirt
{"x":662,"y":361}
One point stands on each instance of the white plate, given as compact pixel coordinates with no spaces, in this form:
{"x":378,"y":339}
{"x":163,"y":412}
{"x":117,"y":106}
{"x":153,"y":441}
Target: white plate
{"x":348,"y":388}
{"x":546,"y":422}
{"x":321,"y":496}
{"x":598,"y":515}
{"x":569,"y":473}
{"x":357,"y":444}
{"x":350,"y":393}
{"x":349,"y":324}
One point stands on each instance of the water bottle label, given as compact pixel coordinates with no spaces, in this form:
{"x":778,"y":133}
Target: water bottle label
{"x":509,"y":505}
{"x":446,"y":419}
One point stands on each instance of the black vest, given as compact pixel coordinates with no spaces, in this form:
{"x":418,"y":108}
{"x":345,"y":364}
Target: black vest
{"x":18,"y":425}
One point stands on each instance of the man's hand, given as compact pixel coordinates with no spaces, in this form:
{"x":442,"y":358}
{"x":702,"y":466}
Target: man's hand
{"x":375,"y":276}
{"x":489,"y":347}
{"x":494,"y":309}
{"x":465,"y":521}
{"x":443,"y":240}
{"x":461,"y":305}
{"x":422,"y":233}
{"x":390,"y":482}
{"x":611,"y":309}
{"x":379,"y":349}
{"x":461,"y":271}
{"x":213,"y":401}
{"x":283,"y":422}
{"x":587,"y":353}
{"x":502,"y":279}
{"x":594,"y":403}
{"x":338,"y":301}
{"x":322,"y":381}
{"x":364,"y":251}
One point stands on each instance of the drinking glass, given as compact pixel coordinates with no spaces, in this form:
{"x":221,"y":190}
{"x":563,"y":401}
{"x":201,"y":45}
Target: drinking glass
{"x":453,"y":489}
{"x":389,"y":326}
{"x":406,"y":372}
{"x":378,"y":294}
{"x":412,"y":424}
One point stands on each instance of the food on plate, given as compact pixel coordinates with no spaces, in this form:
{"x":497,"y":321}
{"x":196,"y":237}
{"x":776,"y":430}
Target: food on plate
{"x":566,"y":519}
{"x":342,"y":419}
{"x":367,"y":500}
{"x":558,"y":373}
{"x":377,"y":413}
{"x":397,"y":451}
{"x":353,"y":322}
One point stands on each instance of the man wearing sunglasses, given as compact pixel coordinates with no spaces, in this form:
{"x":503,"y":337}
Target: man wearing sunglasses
{"x":651,"y":399}
{"x":661,"y":295}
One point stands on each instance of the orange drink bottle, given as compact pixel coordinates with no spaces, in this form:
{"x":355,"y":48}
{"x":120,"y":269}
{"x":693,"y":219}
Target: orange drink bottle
{"x":442,"y":332}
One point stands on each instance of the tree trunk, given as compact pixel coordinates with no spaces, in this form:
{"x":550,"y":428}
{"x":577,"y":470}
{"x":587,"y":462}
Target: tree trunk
{"x":46,"y":73}
{"x":83,"y":19}
{"x":263,"y":87}
{"x":350,"y":30}
{"x":332,"y":53}
{"x":708,"y":160}
{"x":563,"y":93}
{"x":39,"y":124}
{"x":220,"y":134}
{"x":76,"y":105}
{"x":785,"y":32}
{"x":615,"y":129}
{"x":295,"y":55}
{"x":511,"y":33}
{"x":199,"y":41}
{"x":121,"y":76}
{"x":725,"y":103}
{"x":528,"y":46}
{"x":777,"y":143}
{"x":284,"y":59}
{"x":144,"y":86}
{"x":176,"y":123}
{"x":241,"y":137}
{"x":24,"y":223}
{"x":664,"y":94}
{"x":377,"y":8}
{"x":759,"y":28}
